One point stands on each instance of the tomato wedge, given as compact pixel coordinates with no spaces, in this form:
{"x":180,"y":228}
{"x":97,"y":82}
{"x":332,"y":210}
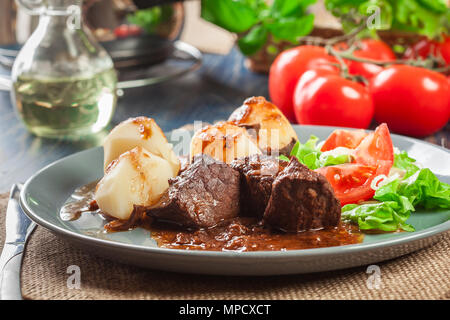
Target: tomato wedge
{"x":375,"y":148}
{"x":343,"y":138}
{"x":374,"y":156}
{"x":351,"y":182}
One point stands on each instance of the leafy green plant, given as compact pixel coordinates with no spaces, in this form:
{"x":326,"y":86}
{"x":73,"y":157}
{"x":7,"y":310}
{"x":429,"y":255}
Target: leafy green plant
{"x":430,"y":18}
{"x":255,"y":20}
{"x":149,"y":19}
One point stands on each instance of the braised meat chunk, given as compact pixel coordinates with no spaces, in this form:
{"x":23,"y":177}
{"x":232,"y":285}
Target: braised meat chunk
{"x":257,"y":175}
{"x":301,"y":199}
{"x":204,"y":194}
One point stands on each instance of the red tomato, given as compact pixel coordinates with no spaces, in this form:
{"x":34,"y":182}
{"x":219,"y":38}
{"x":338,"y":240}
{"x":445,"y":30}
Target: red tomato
{"x":376,"y":147}
{"x":287,"y":69}
{"x":368,"y":49}
{"x":126,"y":30}
{"x":343,"y":138}
{"x":411,"y":100}
{"x":448,"y":99}
{"x":121,"y":31}
{"x":351,"y":181}
{"x":328,"y":99}
{"x":134,"y":30}
{"x":374,"y":156}
{"x":426,"y":47}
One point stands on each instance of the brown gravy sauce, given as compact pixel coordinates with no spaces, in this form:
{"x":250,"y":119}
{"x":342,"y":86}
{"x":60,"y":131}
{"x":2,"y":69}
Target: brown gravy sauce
{"x":248,"y":234}
{"x":239,"y":234}
{"x":82,"y":201}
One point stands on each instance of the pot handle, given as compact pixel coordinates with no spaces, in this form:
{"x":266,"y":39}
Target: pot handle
{"x":5,"y":83}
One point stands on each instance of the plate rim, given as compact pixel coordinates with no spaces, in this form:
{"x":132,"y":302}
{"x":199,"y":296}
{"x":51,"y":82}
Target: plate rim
{"x":314,"y":252}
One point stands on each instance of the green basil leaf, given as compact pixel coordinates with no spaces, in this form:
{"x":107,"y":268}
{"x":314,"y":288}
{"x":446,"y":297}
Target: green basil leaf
{"x":291,"y":29}
{"x":439,"y":6}
{"x":232,"y":15}
{"x":338,"y":7}
{"x":149,"y":19}
{"x":383,"y":9}
{"x":253,"y":41}
{"x":425,"y":17}
{"x":289,"y":8}
{"x":413,"y":17}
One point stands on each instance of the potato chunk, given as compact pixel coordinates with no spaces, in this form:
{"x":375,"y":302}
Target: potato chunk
{"x":137,"y":177}
{"x":273,"y":130}
{"x":224,"y":142}
{"x":141,"y":131}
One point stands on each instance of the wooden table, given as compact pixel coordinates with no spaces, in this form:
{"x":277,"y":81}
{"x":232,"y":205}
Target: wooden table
{"x":209,"y":94}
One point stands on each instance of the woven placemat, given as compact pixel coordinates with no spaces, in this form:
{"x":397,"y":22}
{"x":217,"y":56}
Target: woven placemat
{"x":420,"y":275}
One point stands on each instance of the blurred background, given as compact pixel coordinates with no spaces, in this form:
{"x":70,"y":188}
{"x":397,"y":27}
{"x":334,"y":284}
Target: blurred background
{"x":110,"y":20}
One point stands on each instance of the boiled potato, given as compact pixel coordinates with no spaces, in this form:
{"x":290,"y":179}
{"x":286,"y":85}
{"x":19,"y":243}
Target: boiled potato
{"x":141,"y":131}
{"x":264,"y":119}
{"x":224,"y":142}
{"x":137,"y":177}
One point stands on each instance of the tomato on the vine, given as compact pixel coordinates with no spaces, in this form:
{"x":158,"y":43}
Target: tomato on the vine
{"x":368,"y":49}
{"x":426,"y":47}
{"x":448,"y":78}
{"x":288,"y":67}
{"x":324,"y":98}
{"x":125,"y":30}
{"x":134,"y":30}
{"x":411,"y":100}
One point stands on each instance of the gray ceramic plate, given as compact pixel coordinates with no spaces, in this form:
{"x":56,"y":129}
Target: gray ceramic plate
{"x":45,"y":193}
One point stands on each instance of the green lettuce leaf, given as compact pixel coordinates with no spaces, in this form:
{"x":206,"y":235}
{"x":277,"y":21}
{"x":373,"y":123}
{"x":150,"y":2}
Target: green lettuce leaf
{"x":423,"y":189}
{"x":404,"y":162}
{"x":307,"y":153}
{"x":331,"y":160}
{"x":310,"y":155}
{"x":386,"y":216}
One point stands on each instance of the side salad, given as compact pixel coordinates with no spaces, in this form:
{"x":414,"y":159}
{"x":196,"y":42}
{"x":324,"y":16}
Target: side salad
{"x":378,"y":185}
